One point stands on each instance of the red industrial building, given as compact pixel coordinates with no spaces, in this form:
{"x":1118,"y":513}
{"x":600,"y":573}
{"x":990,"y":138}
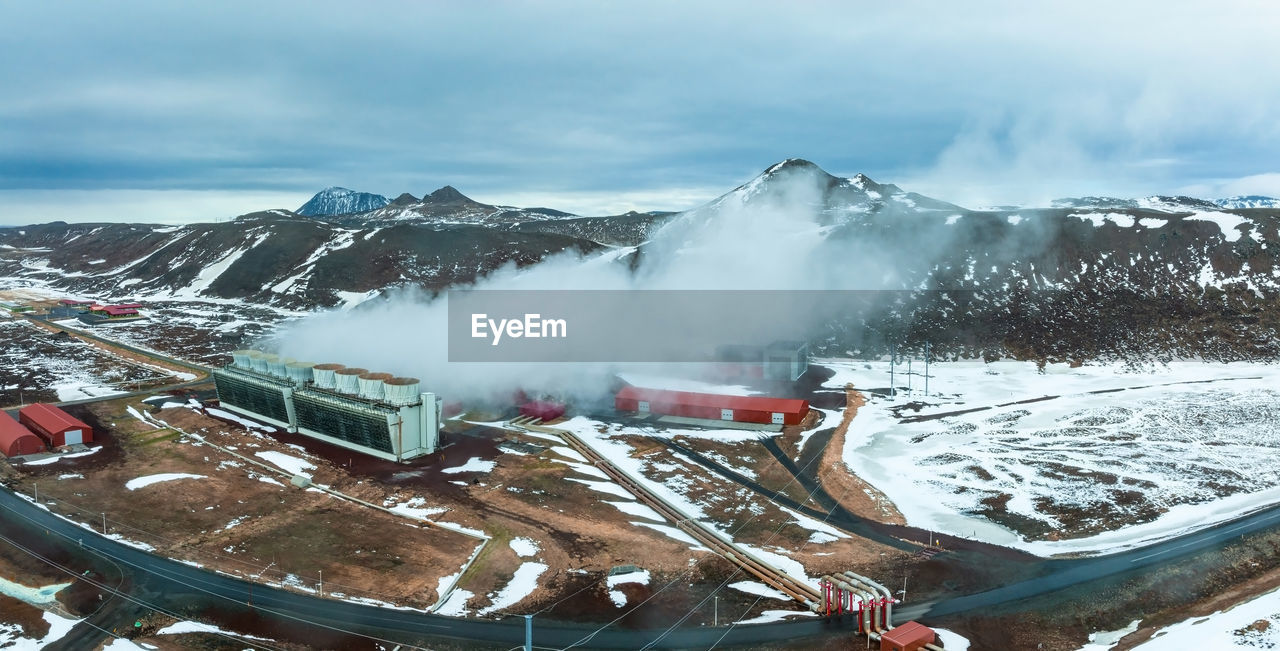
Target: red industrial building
{"x":16,"y":440}
{"x":911,"y":636}
{"x":56,"y":427}
{"x":711,"y":406}
{"x":115,"y":311}
{"x":544,"y":410}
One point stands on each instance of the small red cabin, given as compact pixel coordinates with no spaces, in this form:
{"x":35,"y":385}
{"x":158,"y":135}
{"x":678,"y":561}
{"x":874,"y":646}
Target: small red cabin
{"x":56,"y":427}
{"x":911,"y":636}
{"x":711,"y":406}
{"x":16,"y":440}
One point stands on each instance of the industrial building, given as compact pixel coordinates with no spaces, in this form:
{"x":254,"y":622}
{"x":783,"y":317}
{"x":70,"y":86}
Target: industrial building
{"x":16,"y":440}
{"x":373,"y":413}
{"x":781,"y":360}
{"x":56,"y":427}
{"x":543,"y":410}
{"x":711,"y":406}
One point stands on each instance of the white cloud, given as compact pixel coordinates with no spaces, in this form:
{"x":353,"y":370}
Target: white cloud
{"x":19,"y":207}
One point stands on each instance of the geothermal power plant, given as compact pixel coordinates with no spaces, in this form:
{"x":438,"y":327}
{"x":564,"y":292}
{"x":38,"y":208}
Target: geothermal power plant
{"x":373,"y":413}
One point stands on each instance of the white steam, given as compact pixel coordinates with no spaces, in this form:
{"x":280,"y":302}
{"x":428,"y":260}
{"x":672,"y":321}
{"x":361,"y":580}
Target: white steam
{"x":768,"y":234}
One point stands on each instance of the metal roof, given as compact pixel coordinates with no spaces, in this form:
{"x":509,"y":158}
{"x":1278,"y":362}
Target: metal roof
{"x":11,"y":430}
{"x":749,"y":403}
{"x":909,"y":633}
{"x":52,"y":419}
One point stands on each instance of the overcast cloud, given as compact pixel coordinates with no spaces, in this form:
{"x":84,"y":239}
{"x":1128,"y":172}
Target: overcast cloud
{"x":169,"y":111}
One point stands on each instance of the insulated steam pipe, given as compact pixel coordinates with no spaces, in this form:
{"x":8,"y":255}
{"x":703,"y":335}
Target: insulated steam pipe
{"x":864,"y":597}
{"x":888,"y":596}
{"x":873,"y":599}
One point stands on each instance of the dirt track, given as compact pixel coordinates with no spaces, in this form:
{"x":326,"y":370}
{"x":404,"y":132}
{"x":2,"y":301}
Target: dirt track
{"x":859,"y":497}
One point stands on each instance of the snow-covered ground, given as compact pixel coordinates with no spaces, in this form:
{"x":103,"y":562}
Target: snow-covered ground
{"x":1254,"y":624}
{"x":618,"y":597}
{"x":522,"y":584}
{"x":41,"y":366}
{"x":11,"y":637}
{"x":524,"y":547}
{"x":292,"y":465}
{"x":474,"y":464}
{"x":142,"y":482}
{"x":1172,"y":449}
{"x":605,"y":439}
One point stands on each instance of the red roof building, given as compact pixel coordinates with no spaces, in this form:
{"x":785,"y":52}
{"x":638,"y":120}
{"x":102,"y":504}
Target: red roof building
{"x":711,"y":406}
{"x":542,"y":409}
{"x":56,"y":427}
{"x":119,"y":310}
{"x":16,"y":440}
{"x":911,"y":636}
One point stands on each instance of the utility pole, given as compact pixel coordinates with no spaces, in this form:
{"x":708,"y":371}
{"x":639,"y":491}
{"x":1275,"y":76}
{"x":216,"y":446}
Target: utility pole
{"x":35,"y":485}
{"x":893,"y":358}
{"x":528,"y":633}
{"x":904,"y":587}
{"x":910,"y":377}
{"x":926,"y":369}
{"x":716,"y":620}
{"x":321,"y":583}
{"x":104,"y":523}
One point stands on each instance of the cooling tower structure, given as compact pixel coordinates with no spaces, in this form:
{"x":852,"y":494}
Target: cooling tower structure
{"x":348,"y":380}
{"x":300,"y":372}
{"x":373,"y":413}
{"x":371,"y":385}
{"x":248,"y":387}
{"x":324,"y":375}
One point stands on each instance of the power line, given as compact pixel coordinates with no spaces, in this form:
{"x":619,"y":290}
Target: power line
{"x":217,"y":594}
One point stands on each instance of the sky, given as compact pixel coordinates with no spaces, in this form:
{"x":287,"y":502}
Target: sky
{"x":173,"y":112}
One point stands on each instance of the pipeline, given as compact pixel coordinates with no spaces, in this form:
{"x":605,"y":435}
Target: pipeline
{"x":883,"y":595}
{"x":712,"y":539}
{"x":872,"y":599}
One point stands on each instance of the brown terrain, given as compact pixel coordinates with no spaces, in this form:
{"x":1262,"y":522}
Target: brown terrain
{"x":856,"y":495}
{"x":245,"y":519}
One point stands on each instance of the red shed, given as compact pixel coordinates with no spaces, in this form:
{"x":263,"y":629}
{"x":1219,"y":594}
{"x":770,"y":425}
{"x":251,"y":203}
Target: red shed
{"x":542,"y":409}
{"x":911,"y":636}
{"x":16,"y":440}
{"x":56,"y":427}
{"x":742,"y":409}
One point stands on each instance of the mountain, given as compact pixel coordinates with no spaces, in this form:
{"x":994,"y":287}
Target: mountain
{"x":840,"y":199}
{"x":1249,"y":201}
{"x":1156,"y":277}
{"x":271,"y":258}
{"x":335,"y":201}
{"x":447,"y":205}
{"x":1159,"y":277}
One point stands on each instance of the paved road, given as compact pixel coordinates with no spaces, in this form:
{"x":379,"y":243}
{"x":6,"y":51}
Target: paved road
{"x":1050,"y":574}
{"x":1066,"y":573}
{"x":178,"y":583}
{"x":184,"y":588}
{"x":84,"y":333}
{"x":194,"y":368}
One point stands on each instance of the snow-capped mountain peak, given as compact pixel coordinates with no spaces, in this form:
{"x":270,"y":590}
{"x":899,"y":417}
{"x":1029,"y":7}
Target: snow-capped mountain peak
{"x":1248,"y":201}
{"x":335,"y":201}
